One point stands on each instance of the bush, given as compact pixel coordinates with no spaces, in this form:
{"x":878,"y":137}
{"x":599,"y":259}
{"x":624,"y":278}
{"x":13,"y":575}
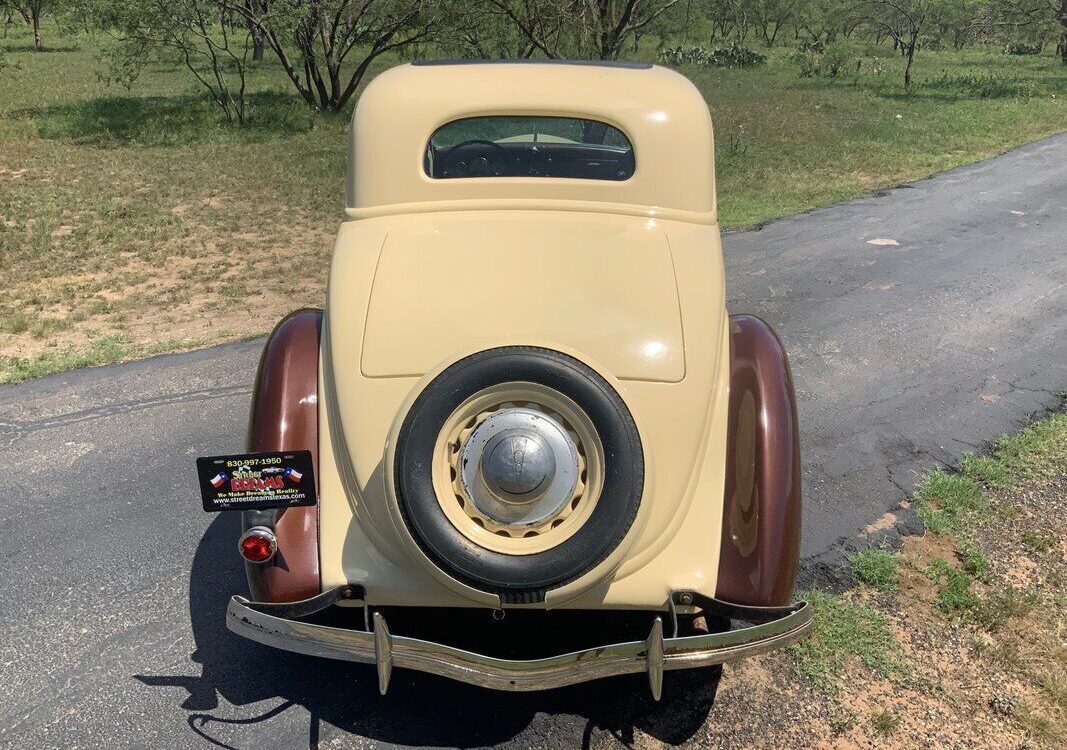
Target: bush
{"x":734,"y":56}
{"x":817,"y":59}
{"x":1023,"y":49}
{"x":985,"y":86}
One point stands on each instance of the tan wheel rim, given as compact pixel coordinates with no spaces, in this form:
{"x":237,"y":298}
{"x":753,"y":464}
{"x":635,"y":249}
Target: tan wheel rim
{"x":481,"y":528}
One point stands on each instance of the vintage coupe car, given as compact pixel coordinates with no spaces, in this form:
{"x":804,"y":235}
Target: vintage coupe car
{"x":525,"y":396}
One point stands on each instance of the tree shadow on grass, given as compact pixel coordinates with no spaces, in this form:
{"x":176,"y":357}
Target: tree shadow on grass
{"x":419,"y":709}
{"x":170,"y":121}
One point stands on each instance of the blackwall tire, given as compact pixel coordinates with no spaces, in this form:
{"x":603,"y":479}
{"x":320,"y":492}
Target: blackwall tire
{"x":519,"y":578}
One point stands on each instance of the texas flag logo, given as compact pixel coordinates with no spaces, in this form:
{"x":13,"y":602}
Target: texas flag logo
{"x":293,"y":474}
{"x":219,"y":479}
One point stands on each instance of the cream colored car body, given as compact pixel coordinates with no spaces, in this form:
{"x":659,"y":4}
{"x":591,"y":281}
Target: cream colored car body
{"x":627,"y":276}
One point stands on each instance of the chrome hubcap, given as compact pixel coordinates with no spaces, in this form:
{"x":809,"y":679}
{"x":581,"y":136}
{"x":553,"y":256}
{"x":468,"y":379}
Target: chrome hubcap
{"x":519,"y":466}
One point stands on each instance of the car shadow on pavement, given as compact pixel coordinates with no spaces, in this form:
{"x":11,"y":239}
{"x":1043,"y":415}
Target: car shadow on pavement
{"x":418,"y":709}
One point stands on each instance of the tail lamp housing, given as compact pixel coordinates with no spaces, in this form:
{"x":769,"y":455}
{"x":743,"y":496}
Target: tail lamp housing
{"x":258,"y":544}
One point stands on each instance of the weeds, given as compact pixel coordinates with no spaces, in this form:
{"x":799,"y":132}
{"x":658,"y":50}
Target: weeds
{"x":844,"y":629}
{"x":884,"y":722}
{"x":991,"y":612}
{"x":954,"y":596}
{"x":878,"y":568}
{"x":973,"y":561}
{"x":1038,"y":542}
{"x":982,"y":86}
{"x":945,"y":500}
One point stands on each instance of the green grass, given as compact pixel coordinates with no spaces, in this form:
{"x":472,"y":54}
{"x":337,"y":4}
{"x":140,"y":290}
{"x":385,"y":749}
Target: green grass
{"x":884,"y":722}
{"x":973,"y":560}
{"x":139,"y":214}
{"x":878,"y":568}
{"x":844,"y":630}
{"x":945,"y":500}
{"x":104,"y":350}
{"x":1027,"y":454}
{"x":1038,"y":542}
{"x":955,"y":595}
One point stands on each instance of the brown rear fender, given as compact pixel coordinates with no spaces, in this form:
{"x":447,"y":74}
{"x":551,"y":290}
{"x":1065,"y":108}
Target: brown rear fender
{"x":761,"y":510}
{"x":285,"y":417}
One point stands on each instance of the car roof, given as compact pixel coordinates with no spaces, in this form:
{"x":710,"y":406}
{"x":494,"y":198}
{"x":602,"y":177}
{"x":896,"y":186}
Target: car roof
{"x":661,"y":112}
{"x":528,"y":61}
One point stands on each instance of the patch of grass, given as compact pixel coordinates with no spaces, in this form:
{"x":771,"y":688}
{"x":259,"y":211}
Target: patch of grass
{"x":104,"y":350}
{"x":877,"y":567}
{"x":1040,"y":725}
{"x":1038,"y":542}
{"x":944,"y":500}
{"x":18,"y":322}
{"x":974,"y":562}
{"x":989,"y":612}
{"x":1027,"y":454}
{"x":884,"y":722}
{"x":996,"y":608}
{"x":955,"y":595}
{"x":843,"y":630}
{"x":842,"y":718}
{"x":985,"y":470}
{"x":1053,"y":682}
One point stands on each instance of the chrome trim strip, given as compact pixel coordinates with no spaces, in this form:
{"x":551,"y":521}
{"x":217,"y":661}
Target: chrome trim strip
{"x":387,"y":651}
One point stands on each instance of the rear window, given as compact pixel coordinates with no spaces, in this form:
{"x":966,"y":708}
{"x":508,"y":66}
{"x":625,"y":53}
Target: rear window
{"x":516,"y":146}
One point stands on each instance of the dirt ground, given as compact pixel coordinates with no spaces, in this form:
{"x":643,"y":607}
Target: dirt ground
{"x":993,"y":676}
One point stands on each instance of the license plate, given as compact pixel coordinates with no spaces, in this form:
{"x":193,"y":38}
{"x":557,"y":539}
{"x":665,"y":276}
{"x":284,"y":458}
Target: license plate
{"x":253,"y":481}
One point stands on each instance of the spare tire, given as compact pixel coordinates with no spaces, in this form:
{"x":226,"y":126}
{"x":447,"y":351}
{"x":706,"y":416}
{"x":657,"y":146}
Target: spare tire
{"x":519,"y":577}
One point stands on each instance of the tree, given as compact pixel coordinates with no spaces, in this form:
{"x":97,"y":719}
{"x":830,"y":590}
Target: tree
{"x":314,"y":39}
{"x":31,"y":11}
{"x":1042,"y":14}
{"x":581,"y":28}
{"x":905,"y":21}
{"x":826,"y":20}
{"x":201,"y":32}
{"x":609,"y":22}
{"x":543,"y":25}
{"x":771,"y":16}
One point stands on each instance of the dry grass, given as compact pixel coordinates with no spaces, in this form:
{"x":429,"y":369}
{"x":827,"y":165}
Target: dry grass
{"x":898,"y":669}
{"x":136,"y":217}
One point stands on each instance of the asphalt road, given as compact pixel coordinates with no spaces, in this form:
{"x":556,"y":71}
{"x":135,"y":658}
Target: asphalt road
{"x":113,"y":582}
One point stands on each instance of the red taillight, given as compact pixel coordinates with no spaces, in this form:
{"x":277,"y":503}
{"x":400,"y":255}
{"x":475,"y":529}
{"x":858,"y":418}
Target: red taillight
{"x":258,"y":544}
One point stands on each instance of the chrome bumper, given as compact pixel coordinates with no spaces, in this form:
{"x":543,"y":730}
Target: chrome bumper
{"x":778,"y":627}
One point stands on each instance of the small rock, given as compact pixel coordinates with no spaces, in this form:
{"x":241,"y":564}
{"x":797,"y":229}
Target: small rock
{"x":1002,"y":705}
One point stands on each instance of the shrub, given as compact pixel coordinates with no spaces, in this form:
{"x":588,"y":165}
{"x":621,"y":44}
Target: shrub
{"x":734,"y":56}
{"x":830,"y":60}
{"x":1023,"y":49}
{"x":984,"y":86}
{"x":838,"y":58}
